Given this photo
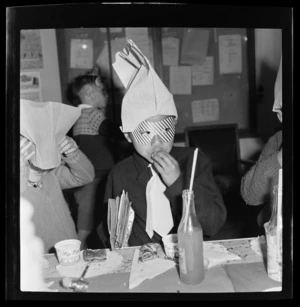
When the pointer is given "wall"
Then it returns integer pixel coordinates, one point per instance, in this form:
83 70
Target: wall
267 57
267 54
50 80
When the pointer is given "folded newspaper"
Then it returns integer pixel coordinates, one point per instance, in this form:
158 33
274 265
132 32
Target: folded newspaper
119 219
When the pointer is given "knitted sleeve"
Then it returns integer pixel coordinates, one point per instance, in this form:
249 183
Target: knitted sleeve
257 184
77 171
88 122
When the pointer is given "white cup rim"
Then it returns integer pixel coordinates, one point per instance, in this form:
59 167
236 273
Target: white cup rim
169 239
66 242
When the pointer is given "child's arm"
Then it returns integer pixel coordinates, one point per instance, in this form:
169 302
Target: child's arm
257 183
78 170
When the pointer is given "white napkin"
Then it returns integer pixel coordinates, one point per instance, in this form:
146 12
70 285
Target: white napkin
217 254
45 124
141 271
159 215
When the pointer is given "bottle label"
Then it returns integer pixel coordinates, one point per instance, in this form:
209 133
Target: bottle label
182 260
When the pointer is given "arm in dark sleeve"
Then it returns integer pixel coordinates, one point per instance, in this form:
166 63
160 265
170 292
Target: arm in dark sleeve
102 228
210 209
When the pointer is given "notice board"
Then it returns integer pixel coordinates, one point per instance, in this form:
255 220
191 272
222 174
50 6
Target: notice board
209 71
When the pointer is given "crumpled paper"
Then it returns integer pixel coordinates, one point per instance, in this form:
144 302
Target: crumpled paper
110 265
217 254
141 271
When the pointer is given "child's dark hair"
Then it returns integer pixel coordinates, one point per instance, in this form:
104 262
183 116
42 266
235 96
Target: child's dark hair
77 84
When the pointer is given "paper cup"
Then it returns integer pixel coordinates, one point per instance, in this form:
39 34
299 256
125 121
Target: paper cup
171 247
68 251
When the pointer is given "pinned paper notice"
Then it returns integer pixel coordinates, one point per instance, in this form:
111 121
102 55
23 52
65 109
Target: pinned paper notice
194 46
205 110
204 74
82 53
181 80
30 85
170 48
230 53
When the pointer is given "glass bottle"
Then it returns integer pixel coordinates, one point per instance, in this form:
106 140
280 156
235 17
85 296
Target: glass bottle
190 243
273 230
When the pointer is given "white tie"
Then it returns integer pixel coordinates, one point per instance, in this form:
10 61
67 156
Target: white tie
159 215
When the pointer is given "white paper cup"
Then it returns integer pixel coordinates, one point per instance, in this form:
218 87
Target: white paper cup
171 247
68 251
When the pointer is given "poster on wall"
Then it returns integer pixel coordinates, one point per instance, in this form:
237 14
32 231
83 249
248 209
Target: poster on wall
181 80
194 46
230 54
82 53
203 74
170 49
30 85
205 110
31 54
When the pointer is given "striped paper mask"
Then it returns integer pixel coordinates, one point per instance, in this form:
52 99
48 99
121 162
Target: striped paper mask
146 130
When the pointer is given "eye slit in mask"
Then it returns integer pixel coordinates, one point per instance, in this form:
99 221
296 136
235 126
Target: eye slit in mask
145 132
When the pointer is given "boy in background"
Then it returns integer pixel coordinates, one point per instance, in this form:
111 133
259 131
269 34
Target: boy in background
97 136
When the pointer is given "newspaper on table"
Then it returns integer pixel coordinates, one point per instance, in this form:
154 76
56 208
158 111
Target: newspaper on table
119 219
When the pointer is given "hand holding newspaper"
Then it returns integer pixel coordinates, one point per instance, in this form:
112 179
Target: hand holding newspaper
119 219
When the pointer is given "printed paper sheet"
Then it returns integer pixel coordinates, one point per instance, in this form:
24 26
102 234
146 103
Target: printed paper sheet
170 48
31 54
205 110
194 46
203 74
82 52
230 52
30 85
181 80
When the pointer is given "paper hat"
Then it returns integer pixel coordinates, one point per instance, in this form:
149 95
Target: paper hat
278 89
45 124
146 95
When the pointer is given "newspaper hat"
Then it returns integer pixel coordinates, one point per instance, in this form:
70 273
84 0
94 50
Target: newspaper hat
278 89
45 124
146 95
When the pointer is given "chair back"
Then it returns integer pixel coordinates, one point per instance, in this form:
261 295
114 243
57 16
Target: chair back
220 143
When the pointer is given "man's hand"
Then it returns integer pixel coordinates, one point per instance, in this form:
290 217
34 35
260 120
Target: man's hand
167 167
67 146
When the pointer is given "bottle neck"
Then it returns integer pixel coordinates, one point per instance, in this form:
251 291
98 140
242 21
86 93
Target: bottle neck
189 219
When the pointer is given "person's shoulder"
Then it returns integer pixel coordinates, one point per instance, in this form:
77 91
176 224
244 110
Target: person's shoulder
275 138
125 165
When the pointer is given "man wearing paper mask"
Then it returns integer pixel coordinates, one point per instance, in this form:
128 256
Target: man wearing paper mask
257 184
50 161
155 175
